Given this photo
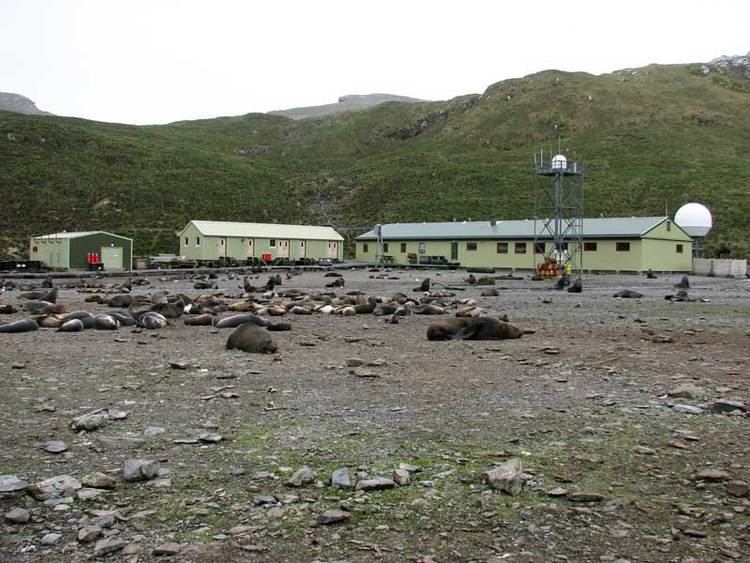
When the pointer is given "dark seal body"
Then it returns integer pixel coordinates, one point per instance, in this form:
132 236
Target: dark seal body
251 338
25 325
475 328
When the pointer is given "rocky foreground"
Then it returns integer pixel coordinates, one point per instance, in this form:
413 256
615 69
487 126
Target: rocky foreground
614 429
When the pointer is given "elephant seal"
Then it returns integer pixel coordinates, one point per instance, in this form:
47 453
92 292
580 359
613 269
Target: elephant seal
49 321
240 319
338 282
278 327
489 292
366 308
120 301
474 328
42 307
429 309
73 325
84 316
628 294
205 319
170 310
251 338
106 322
125 318
152 320
25 325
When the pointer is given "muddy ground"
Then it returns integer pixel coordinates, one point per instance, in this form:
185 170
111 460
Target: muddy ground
583 402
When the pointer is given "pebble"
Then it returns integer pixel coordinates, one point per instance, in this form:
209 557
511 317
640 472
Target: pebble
687 391
712 475
98 480
738 488
50 539
55 447
11 483
334 517
153 431
140 470
303 476
108 545
375 484
58 486
342 479
89 533
167 549
643 450
354 362
557 492
401 477
725 406
17 516
90 422
583 496
687 409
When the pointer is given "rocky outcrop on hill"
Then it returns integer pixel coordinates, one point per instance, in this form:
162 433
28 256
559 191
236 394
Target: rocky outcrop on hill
19 104
346 103
731 67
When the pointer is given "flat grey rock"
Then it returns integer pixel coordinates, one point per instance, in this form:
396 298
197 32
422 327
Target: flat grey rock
17 516
58 486
375 484
342 479
11 483
140 470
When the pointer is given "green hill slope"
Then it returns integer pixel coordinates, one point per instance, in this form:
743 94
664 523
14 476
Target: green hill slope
652 138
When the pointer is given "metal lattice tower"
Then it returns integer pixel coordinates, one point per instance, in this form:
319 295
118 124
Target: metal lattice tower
558 210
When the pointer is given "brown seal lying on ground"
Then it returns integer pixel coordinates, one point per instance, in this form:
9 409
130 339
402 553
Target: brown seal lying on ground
472 328
251 338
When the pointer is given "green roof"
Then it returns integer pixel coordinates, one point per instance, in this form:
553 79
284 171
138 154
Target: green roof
614 227
264 230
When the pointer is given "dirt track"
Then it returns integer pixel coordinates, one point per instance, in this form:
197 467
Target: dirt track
582 401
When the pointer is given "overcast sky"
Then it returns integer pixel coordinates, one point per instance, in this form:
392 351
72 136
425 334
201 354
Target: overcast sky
156 61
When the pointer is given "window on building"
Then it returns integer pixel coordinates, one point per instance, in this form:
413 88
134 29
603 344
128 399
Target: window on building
471 246
385 247
403 248
365 247
589 246
422 248
678 248
502 248
622 247
187 241
197 241
539 248
519 248
272 243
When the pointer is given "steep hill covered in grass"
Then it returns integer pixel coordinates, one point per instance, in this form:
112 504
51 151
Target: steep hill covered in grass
652 138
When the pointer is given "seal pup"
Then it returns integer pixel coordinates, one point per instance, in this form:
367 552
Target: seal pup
205 319
576 286
237 320
25 325
73 325
474 328
684 283
628 294
120 301
152 320
650 275
366 308
125 318
8 309
106 322
251 338
84 316
424 286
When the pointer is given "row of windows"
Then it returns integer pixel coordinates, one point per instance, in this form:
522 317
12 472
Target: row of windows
520 247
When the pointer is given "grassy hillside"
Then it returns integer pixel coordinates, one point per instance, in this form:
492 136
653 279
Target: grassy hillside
652 138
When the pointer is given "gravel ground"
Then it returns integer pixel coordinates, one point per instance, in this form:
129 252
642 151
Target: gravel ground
583 401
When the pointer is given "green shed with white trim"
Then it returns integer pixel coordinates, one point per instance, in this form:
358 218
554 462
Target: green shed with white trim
71 250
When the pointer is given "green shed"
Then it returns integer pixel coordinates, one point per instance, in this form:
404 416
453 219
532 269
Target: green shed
70 251
632 244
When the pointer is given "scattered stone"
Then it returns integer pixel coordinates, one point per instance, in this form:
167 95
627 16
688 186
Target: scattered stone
409 467
687 409
694 533
342 479
55 447
98 480
557 492
140 470
401 477
87 493
584 496
17 516
58 486
91 421
88 534
725 405
376 484
643 450
117 415
505 477
210 437
334 517
688 391
712 475
50 539
354 362
303 476
108 545
262 500
154 431
11 483
738 488
179 365
167 549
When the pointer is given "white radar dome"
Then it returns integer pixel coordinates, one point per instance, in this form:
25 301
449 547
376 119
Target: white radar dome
695 219
559 162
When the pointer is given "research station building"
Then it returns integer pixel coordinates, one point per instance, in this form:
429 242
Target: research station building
621 244
73 250
243 242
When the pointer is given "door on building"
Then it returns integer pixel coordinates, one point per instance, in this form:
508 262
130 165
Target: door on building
454 251
283 247
302 250
250 248
111 257
222 248
333 250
